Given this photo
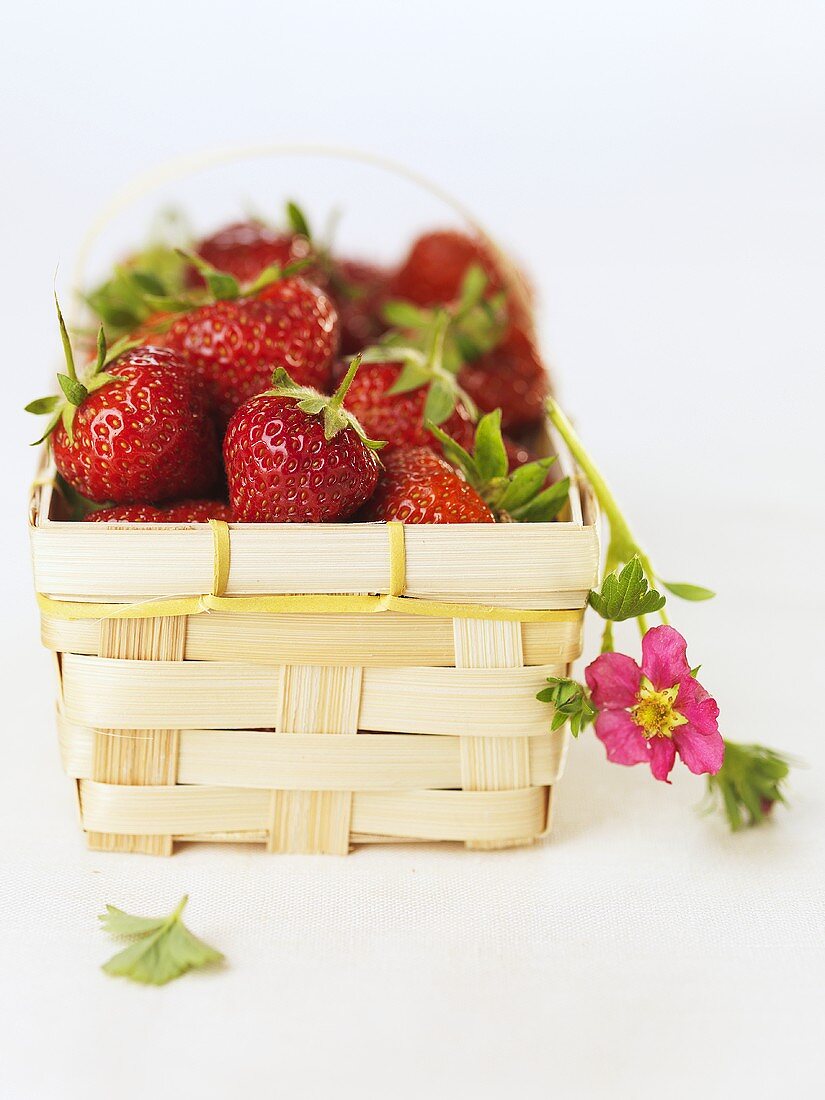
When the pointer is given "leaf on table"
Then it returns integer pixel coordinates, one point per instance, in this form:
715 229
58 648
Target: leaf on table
163 950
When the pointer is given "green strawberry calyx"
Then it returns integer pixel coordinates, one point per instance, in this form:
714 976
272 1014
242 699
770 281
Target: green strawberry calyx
434 344
330 409
521 495
424 362
61 408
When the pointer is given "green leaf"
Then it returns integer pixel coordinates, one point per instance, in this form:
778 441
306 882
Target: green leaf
412 376
297 220
749 783
546 506
148 282
472 288
440 402
163 950
405 315
693 592
456 454
626 594
490 452
571 702
42 405
75 391
67 344
222 286
525 484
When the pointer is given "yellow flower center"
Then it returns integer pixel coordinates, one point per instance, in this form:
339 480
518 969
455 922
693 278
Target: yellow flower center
654 712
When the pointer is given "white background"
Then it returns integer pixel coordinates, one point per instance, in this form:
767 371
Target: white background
661 170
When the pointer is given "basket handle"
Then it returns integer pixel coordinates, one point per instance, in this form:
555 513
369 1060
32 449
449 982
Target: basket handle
184 167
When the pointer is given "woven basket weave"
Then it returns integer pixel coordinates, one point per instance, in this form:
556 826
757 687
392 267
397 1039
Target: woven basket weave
311 687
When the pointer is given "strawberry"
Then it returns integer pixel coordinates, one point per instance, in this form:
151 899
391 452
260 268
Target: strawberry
295 456
245 249
522 494
417 486
181 511
140 430
511 377
436 265
234 344
360 291
399 417
233 336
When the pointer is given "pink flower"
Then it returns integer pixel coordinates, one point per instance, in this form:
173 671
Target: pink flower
647 715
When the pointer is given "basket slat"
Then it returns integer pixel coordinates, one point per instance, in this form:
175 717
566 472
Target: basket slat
143 756
315 700
386 640
217 695
501 763
417 815
270 761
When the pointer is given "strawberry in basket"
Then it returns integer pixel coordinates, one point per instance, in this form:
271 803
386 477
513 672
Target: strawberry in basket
245 249
293 455
418 486
180 511
137 426
234 336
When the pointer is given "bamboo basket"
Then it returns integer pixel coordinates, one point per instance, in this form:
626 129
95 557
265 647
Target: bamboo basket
311 687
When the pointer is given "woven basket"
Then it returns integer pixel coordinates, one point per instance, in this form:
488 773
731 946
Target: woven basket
310 687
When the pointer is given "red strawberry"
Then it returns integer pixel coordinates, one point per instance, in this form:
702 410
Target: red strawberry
141 430
294 456
182 511
399 417
235 343
510 377
359 291
419 487
436 265
245 249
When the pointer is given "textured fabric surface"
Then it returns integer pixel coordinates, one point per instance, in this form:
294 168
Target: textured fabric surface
641 950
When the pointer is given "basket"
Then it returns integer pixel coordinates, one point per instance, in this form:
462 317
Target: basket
311 687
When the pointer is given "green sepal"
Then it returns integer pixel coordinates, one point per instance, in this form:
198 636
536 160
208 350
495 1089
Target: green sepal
42 405
75 391
490 452
440 402
405 315
66 342
103 379
297 220
331 409
626 594
694 592
518 496
749 783
67 415
571 702
546 506
220 284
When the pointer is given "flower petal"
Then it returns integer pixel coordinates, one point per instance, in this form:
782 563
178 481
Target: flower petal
698 706
701 752
662 757
664 659
624 741
613 680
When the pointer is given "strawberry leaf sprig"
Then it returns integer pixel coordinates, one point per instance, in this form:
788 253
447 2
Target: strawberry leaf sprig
310 401
162 948
623 547
432 345
523 495
749 783
74 389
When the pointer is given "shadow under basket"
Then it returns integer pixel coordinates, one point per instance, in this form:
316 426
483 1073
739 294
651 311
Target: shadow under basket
311 687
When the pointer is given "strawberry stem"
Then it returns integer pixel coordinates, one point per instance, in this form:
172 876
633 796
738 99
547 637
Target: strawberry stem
67 344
